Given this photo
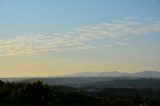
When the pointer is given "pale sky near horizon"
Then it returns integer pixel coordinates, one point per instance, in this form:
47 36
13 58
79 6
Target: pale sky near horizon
59 37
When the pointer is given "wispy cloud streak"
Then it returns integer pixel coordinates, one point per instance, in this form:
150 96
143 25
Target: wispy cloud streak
78 39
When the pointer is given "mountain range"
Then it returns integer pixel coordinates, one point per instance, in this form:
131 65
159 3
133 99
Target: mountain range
100 79
143 74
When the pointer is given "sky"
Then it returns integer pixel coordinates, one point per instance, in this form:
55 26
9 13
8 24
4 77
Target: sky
61 37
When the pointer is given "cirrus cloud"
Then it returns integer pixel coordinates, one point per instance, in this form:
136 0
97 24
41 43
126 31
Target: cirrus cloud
80 38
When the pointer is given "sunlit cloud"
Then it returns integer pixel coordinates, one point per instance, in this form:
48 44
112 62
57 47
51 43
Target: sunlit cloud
80 38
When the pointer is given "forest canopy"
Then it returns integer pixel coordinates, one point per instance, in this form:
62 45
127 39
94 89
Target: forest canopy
36 93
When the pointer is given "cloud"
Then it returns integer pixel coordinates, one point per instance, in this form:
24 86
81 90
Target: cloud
122 43
122 27
81 38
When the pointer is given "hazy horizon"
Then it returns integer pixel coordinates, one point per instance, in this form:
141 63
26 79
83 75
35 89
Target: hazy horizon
58 37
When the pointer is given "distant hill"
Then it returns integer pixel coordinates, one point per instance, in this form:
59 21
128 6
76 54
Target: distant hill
73 81
104 82
99 74
144 74
113 79
147 74
127 83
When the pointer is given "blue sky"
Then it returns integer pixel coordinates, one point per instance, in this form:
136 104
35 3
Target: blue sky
50 16
70 36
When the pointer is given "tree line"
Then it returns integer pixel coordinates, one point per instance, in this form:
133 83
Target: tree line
36 93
